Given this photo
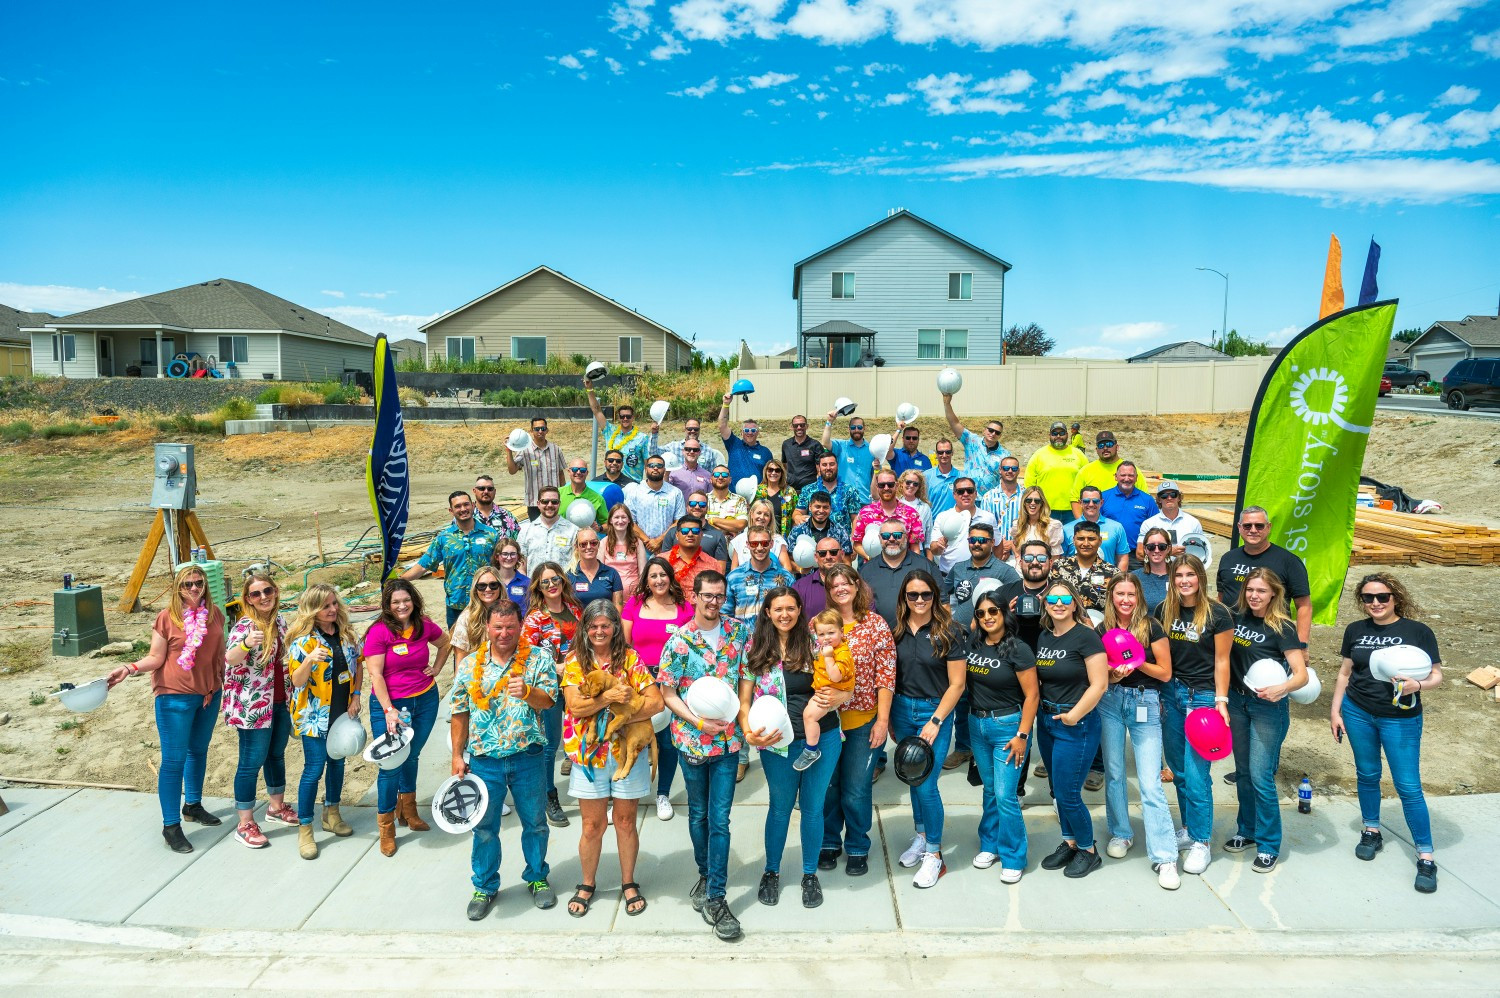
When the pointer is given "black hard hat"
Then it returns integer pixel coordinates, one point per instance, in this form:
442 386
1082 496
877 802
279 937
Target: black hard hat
913 760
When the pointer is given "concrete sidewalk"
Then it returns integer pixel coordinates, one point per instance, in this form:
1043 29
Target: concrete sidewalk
85 877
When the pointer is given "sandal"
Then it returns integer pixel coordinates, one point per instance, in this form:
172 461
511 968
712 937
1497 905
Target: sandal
639 899
584 897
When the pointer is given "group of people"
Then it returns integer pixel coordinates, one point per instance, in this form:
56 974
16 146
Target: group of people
972 643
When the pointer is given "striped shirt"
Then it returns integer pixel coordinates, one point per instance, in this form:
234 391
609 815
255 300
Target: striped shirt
543 466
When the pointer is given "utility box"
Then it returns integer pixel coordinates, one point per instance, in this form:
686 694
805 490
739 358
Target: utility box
78 621
176 483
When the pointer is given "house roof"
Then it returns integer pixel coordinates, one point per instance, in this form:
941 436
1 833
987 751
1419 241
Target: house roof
558 274
835 326
217 304
1396 349
1155 351
13 320
887 220
1475 330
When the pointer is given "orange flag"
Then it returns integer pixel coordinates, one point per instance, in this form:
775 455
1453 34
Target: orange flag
1333 280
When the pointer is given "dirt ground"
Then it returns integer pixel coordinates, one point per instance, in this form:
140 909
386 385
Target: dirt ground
79 505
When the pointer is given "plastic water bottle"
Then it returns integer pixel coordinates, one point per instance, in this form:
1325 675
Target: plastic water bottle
1304 796
405 714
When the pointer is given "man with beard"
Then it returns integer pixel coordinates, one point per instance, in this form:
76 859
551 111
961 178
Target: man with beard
655 504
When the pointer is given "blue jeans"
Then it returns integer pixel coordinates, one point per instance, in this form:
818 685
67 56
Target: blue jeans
1259 727
1001 830
390 782
1118 712
1195 789
552 731
710 794
185 725
524 776
262 750
786 785
666 762
316 764
961 725
1401 740
908 716
848 811
454 612
1067 752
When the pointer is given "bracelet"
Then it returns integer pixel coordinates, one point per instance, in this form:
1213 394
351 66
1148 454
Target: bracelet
1221 699
135 670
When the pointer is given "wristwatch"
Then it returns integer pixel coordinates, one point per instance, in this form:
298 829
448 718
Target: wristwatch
935 720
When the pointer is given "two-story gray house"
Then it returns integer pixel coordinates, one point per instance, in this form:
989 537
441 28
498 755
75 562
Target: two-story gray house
902 290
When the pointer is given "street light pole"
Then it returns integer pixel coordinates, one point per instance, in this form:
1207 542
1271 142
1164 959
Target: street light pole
1224 327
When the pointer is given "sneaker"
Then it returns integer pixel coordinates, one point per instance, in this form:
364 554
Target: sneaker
1167 878
249 835
812 891
1426 882
505 808
828 859
555 816
931 870
699 893
1060 857
985 860
1082 864
806 759
716 913
857 866
1232 777
664 807
542 894
1198 858
1184 840
1369 844
285 815
480 905
1009 876
1237 843
914 852
770 888
1264 862
1094 781
1117 848
956 758
1040 772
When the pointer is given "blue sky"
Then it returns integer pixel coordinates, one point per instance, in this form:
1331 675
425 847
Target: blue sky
385 163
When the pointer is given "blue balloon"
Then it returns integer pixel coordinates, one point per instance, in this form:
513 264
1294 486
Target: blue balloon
613 495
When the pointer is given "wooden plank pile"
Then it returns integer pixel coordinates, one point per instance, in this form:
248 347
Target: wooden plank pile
1383 537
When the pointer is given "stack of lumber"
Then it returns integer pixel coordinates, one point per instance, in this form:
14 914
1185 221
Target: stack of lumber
1209 492
1383 537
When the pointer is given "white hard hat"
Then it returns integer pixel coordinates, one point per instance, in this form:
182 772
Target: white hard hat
1196 544
880 445
745 487
82 699
459 803
1400 660
671 461
518 440
907 413
1308 693
843 406
1266 672
768 713
983 586
805 552
951 522
390 750
659 410
949 381
581 513
595 371
1095 617
346 737
711 699
660 720
870 542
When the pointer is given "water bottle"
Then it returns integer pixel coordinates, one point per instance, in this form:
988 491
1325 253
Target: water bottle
1304 796
405 715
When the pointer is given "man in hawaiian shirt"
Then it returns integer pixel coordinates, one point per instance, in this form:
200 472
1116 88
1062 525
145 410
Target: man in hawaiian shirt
622 434
462 548
490 513
843 500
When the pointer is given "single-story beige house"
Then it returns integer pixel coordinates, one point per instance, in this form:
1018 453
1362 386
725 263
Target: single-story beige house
15 346
545 313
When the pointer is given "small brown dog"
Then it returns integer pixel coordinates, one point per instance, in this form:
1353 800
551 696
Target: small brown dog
634 736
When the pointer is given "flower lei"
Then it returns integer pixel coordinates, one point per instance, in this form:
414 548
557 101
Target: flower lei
482 656
194 627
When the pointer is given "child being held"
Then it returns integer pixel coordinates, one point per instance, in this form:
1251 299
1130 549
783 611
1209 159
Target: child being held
833 667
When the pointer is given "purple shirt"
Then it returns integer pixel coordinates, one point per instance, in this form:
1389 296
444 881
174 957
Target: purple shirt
691 480
406 658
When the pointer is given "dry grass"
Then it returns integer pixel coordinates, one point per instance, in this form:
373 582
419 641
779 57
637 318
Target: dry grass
19 656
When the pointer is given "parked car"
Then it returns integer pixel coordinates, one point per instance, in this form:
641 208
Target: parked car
1385 385
1471 382
1405 377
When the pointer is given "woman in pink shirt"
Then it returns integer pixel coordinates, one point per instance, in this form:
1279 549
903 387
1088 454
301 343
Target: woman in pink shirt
621 549
398 655
657 607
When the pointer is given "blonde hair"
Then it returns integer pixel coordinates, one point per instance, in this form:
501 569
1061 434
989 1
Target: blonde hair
1139 623
1171 607
1024 523
175 602
1080 616
305 620
829 618
474 613
770 509
1275 616
265 622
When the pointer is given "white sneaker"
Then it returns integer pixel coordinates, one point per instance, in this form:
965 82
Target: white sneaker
609 813
1198 858
985 860
1166 876
1184 840
664 807
505 808
1010 876
914 852
1117 848
931 871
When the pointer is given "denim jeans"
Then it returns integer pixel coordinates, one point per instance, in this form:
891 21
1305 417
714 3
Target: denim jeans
710 794
1195 789
666 762
786 786
848 811
1118 712
522 774
552 731
1259 727
1001 830
1401 740
262 750
1067 752
961 741
389 782
315 764
185 725
454 612
908 716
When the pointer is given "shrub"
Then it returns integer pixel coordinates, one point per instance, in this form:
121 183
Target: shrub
411 397
300 396
238 408
269 396
337 394
68 429
17 431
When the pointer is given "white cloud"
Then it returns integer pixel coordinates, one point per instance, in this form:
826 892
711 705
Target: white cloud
1458 95
1093 353
720 20
1280 337
895 100
614 65
833 22
951 93
333 294
373 320
1488 44
702 90
376 294
767 80
670 46
734 88
872 68
631 19
1134 332
59 299
569 62
1398 19
588 53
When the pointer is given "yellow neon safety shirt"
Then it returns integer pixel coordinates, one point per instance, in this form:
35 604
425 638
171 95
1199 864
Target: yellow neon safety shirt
1053 471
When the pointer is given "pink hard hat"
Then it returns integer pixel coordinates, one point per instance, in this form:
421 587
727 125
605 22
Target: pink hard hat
1208 734
1122 649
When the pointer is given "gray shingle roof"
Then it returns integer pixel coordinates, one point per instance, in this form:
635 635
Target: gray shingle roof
1475 330
835 326
1154 351
218 304
13 320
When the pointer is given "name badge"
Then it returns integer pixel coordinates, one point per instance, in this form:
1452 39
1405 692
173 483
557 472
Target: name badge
518 590
806 452
752 588
559 541
580 587
1096 579
662 502
399 649
344 677
1140 713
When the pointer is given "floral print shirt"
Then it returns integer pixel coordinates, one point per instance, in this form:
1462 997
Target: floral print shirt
581 735
874 652
507 725
689 656
501 520
845 501
310 702
461 555
906 513
250 692
542 630
1089 585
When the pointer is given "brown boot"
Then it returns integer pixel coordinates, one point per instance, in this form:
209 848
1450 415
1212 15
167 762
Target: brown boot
387 823
334 822
307 846
406 813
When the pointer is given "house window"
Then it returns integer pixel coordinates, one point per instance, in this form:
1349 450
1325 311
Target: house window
529 348
630 349
148 351
843 284
929 344
960 287
461 348
235 349
69 346
955 344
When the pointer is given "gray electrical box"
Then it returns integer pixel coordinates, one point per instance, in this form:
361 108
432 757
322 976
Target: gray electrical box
78 621
176 482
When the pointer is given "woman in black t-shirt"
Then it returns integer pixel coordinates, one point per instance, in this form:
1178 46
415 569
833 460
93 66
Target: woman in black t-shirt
1003 698
1381 715
1132 705
1073 674
1260 718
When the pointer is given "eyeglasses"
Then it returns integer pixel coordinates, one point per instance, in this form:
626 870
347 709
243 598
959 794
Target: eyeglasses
1158 546
963 492
192 584
977 541
489 587
1169 495
1090 502
944 453
1368 598
510 554
261 593
893 535
690 531
551 582
711 597
917 595
1063 599
1254 526
988 612
1034 559
1033 501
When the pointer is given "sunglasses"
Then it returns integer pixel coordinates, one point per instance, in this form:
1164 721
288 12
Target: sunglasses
831 553
1033 501
979 541
649 466
892 536
1089 502
697 505
987 613
914 595
772 471
1062 599
1368 598
1158 546
1103 444
194 584
538 429
799 426
717 475
1010 467
856 426
1034 559
551 583
1058 433
261 593
944 453
963 492
992 429
758 544
1169 495
752 429
911 436
484 488
885 485
692 450
489 587
588 544
690 531
1254 526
